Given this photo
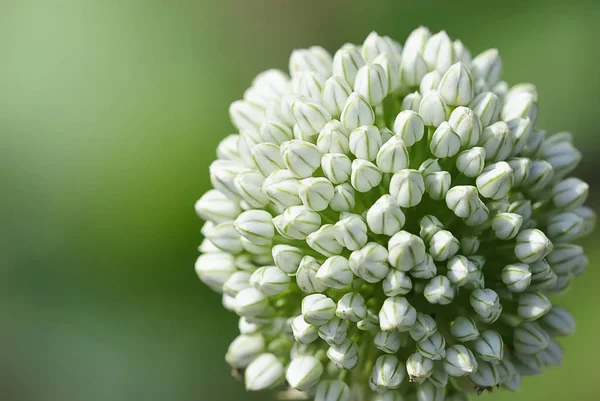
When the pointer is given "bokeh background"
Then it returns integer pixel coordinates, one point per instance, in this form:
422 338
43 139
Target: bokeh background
110 112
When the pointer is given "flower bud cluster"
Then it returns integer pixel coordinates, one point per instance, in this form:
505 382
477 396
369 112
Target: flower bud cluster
388 223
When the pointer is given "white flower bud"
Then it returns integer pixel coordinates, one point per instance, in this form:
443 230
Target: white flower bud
426 269
533 305
423 328
303 332
439 377
487 107
589 219
459 361
419 368
456 86
516 277
430 82
429 225
365 142
388 373
443 245
469 245
486 376
343 198
357 112
437 184
565 257
458 269
412 101
529 338
374 45
558 322
464 329
570 193
372 83
370 262
244 349
263 372
532 245
351 307
335 272
323 241
467 126
333 138
489 346
317 309
471 162
416 40
520 130
412 68
370 322
393 156
433 347
564 227
256 226
497 141
520 88
332 390
397 314
351 232
336 167
228 149
214 269
282 188
344 355
540 175
521 167
386 134
315 193
306 276
216 207
406 250
439 291
365 175
428 392
409 127
222 174
334 332
310 117
301 158
495 181
396 283
246 116
391 66
563 157
314 59
407 187
238 281
225 237
255 249
275 132
486 304
506 225
385 216
287 258
251 302
388 341
335 94
270 280
529 365
552 355
267 158
430 166
346 63
438 52
297 222
534 144
432 109
445 142
248 186
488 66
522 105
304 372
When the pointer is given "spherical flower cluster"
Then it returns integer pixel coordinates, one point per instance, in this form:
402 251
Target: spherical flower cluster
388 223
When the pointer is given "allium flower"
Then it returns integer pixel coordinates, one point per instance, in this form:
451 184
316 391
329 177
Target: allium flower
388 222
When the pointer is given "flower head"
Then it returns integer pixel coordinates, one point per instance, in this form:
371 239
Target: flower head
388 222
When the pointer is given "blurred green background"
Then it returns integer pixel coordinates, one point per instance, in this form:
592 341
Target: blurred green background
110 112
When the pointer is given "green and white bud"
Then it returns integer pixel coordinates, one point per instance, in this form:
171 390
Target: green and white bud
433 110
487 107
409 127
388 373
306 276
439 291
238 281
521 167
370 262
443 245
533 305
423 328
522 105
540 175
337 167
335 94
375 45
256 226
275 132
343 198
529 365
372 83
318 309
445 142
532 245
314 59
429 225
332 390
323 241
365 142
244 349
333 138
315 193
310 117
334 332
467 126
407 187
396 283
439 377
365 175
495 181
570 193
388 341
345 355
490 346
385 216
563 157
469 245
558 322
248 186
461 52
459 361
506 225
486 376
529 338
304 372
438 52
287 258
429 82
456 86
488 66
463 200
393 156
357 112
397 314
428 392
516 277
297 222
437 184
304 333
270 280
351 232
351 307
486 303
335 273
471 162
346 63
251 302
412 69
497 141
263 372
542 275
419 368
300 157
416 40
534 144
464 329
246 116
308 86
426 269
552 355
225 237
216 207
433 347
564 257
458 269
520 130
214 269
282 188
406 250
